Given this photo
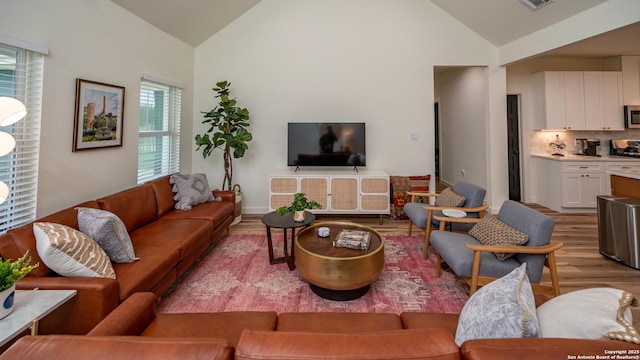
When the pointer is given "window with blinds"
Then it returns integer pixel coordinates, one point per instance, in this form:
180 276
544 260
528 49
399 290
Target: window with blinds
159 134
21 73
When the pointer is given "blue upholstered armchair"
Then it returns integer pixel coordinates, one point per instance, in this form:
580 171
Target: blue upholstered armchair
478 265
421 214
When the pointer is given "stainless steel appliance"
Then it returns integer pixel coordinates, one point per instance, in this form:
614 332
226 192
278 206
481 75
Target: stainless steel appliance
593 147
588 147
632 116
618 229
625 147
581 146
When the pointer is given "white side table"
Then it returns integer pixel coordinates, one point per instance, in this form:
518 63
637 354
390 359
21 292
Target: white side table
30 307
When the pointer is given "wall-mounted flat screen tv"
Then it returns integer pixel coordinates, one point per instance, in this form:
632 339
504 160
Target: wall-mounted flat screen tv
326 144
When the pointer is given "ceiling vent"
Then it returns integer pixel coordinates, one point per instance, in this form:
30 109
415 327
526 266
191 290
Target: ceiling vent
536 4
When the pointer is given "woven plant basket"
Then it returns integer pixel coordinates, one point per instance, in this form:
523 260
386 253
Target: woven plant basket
238 210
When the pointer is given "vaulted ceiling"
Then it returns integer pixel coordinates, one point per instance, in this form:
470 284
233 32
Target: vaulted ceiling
498 21
192 21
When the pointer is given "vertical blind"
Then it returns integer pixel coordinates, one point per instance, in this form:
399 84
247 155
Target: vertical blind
159 134
21 74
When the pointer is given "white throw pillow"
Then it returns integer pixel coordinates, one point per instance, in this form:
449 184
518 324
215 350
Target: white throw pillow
504 308
106 228
69 252
597 313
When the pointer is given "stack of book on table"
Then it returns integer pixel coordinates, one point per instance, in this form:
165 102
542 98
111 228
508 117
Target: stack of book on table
353 239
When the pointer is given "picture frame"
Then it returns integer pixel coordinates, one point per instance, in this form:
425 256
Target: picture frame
99 115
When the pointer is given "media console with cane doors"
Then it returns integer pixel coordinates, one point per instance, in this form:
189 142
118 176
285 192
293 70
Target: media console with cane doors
338 191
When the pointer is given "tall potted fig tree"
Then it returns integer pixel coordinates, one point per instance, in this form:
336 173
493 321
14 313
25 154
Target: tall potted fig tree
228 125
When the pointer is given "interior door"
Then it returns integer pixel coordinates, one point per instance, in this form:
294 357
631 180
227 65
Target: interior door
436 118
513 134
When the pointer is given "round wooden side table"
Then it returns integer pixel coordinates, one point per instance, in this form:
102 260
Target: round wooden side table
284 222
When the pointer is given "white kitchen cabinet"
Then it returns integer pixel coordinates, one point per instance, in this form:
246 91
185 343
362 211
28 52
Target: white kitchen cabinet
572 184
631 79
568 186
603 100
560 100
579 100
582 182
363 192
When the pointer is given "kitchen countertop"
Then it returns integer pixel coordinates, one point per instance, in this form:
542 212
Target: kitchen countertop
632 174
572 157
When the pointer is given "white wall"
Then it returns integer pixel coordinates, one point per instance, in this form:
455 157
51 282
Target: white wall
94 40
599 19
331 60
288 60
462 125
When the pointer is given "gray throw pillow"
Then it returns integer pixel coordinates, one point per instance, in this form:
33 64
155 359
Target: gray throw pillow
504 308
190 190
109 232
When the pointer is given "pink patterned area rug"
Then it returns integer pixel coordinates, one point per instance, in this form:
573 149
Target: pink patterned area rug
236 275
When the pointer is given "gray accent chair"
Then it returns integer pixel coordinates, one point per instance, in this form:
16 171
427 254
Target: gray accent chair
422 214
475 262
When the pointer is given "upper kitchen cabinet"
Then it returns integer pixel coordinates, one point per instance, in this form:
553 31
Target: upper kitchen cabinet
559 97
577 100
631 79
603 100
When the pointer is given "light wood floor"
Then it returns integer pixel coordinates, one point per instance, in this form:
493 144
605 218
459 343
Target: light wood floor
580 265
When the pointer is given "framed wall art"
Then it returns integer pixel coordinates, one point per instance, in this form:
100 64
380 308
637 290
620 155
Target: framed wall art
98 116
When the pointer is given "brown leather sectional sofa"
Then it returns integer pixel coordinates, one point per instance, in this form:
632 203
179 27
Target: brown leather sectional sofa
135 330
166 240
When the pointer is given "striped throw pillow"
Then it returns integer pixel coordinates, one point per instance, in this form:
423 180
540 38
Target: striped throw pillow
71 253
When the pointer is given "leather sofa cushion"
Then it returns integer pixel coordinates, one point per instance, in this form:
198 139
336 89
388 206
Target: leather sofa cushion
223 325
164 194
417 320
137 316
145 273
63 347
23 239
130 318
185 235
338 322
393 344
136 206
214 211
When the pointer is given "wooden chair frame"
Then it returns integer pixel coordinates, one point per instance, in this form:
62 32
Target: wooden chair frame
430 209
476 280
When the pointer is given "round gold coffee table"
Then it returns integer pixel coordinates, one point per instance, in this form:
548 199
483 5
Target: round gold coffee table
338 273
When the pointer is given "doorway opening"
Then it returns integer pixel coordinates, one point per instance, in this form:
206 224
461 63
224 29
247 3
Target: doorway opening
436 141
513 141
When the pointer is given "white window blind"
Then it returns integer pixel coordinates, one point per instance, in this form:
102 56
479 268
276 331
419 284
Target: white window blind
21 73
159 134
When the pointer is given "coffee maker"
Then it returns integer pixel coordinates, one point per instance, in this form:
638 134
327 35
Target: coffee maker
588 147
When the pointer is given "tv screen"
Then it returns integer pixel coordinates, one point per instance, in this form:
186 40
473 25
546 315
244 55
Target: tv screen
326 144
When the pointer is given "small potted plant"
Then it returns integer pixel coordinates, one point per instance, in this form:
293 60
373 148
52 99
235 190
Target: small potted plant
10 273
298 206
